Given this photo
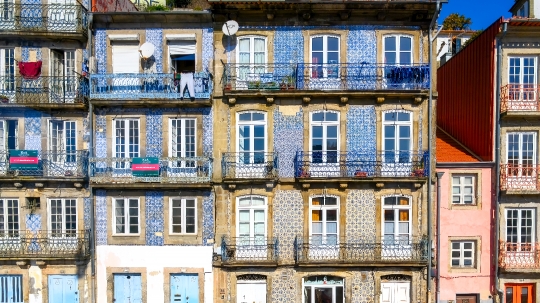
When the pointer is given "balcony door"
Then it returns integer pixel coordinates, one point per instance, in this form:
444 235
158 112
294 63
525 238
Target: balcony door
396 242
62 16
62 156
324 71
251 242
521 159
182 148
63 225
520 245
324 228
126 145
125 60
7 71
522 94
252 146
251 59
519 293
325 158
9 227
398 58
8 141
397 144
63 80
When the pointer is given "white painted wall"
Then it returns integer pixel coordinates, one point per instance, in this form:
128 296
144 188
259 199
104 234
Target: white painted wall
154 259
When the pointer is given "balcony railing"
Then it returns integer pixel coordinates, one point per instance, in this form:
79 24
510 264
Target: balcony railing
517 97
316 77
330 164
249 165
43 18
50 164
45 244
338 250
168 170
147 86
519 255
43 90
249 250
519 177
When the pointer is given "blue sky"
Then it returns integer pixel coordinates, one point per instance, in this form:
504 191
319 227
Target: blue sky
482 12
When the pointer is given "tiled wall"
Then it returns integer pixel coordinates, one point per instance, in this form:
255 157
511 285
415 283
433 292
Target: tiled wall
360 216
288 45
33 222
101 217
155 36
32 130
288 219
87 204
288 139
363 287
101 50
154 133
208 218
154 219
284 287
361 130
25 52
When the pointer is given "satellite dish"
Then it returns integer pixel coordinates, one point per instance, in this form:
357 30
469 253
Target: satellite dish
147 50
230 27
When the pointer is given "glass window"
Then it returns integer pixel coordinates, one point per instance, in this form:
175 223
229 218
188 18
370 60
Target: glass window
324 53
520 225
324 220
126 216
327 289
252 137
397 137
63 217
62 140
398 49
462 253
183 216
396 220
183 141
251 220
9 217
463 189
325 137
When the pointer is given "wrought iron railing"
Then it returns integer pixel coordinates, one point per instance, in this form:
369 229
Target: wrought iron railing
335 76
519 255
46 89
48 244
171 170
339 250
250 165
43 18
520 97
331 164
147 86
249 249
519 177
70 164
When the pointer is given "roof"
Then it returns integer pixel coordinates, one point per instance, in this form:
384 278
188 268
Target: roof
450 150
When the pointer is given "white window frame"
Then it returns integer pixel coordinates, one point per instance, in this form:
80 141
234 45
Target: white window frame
5 85
182 121
126 216
462 186
4 217
252 209
183 208
397 137
62 145
64 231
324 208
251 39
461 250
519 227
126 144
325 48
520 144
397 51
396 209
251 125
4 134
325 124
312 288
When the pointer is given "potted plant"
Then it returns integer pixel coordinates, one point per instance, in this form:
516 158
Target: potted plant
360 174
418 171
304 173
287 83
227 87
4 99
254 84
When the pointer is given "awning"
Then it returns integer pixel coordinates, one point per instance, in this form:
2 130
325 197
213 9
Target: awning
190 57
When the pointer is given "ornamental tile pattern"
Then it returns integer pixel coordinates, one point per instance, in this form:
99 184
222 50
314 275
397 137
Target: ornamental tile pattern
284 287
155 36
32 130
288 45
154 219
288 139
154 134
101 50
101 134
361 44
361 130
207 48
101 217
87 206
33 222
288 221
360 216
25 51
208 217
363 287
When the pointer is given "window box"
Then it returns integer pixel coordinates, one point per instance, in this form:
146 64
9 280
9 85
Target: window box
417 172
360 174
4 99
228 87
304 173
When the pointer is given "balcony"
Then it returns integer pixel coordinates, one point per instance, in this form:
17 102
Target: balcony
249 166
249 251
360 166
165 170
43 19
151 86
520 98
288 78
317 250
46 91
45 244
45 164
519 178
519 256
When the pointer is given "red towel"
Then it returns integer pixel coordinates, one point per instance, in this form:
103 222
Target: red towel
30 70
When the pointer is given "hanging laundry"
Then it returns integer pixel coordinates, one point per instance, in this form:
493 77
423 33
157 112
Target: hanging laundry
30 70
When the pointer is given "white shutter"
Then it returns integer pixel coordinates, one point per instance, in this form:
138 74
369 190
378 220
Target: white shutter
125 59
386 292
402 293
3 135
182 47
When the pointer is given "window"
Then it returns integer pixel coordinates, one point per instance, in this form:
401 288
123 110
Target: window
251 214
463 189
126 134
397 220
126 216
8 135
397 136
398 50
63 80
327 289
9 218
252 137
520 225
252 51
183 141
523 11
521 153
62 140
324 224
522 78
125 57
183 216
63 217
7 69
463 253
182 54
325 137
324 52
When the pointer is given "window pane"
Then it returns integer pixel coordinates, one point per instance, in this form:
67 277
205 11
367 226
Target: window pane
333 44
390 43
317 44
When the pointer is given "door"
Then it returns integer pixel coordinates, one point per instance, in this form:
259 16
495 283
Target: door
62 158
395 292
397 139
63 81
63 225
519 293
251 242
11 289
127 288
252 162
126 60
522 91
251 63
126 144
521 170
182 148
466 298
397 228
10 241
325 158
324 71
63 289
62 15
251 292
324 229
184 288
8 141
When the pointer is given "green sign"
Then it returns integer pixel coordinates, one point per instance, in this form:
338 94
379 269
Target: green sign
145 167
23 159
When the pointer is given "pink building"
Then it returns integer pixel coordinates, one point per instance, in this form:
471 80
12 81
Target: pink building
465 200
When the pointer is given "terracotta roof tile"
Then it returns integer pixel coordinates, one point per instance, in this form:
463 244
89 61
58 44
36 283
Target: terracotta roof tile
450 150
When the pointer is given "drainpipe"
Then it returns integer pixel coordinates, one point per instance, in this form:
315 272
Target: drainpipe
430 147
438 257
90 155
498 157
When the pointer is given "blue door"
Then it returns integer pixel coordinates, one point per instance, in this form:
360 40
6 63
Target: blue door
184 288
127 288
63 289
11 289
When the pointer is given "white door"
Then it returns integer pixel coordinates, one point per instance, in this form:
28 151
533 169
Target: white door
251 242
397 144
62 158
325 158
63 81
63 225
9 226
182 147
252 61
251 161
251 292
395 292
521 170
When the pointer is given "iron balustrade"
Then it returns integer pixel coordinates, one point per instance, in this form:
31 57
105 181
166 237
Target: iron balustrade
520 97
251 165
43 18
333 76
519 177
171 170
48 244
147 86
43 90
332 164
70 164
249 249
340 250
519 255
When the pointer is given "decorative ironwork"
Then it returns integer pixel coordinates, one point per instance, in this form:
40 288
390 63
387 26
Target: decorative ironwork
331 164
43 18
396 278
251 277
335 76
147 86
171 170
520 97
49 244
249 249
249 165
519 255
71 164
46 89
519 177
339 250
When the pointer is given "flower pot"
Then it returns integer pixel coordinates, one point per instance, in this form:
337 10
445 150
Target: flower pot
360 174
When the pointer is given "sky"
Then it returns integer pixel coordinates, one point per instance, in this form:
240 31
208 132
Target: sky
482 12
